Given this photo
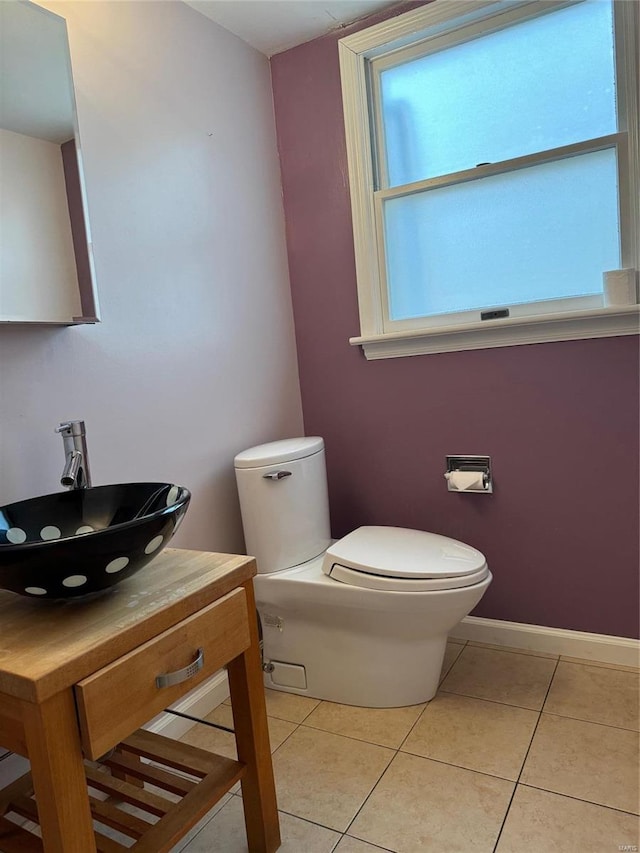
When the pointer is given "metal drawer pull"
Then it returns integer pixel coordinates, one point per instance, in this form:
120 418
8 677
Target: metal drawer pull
168 679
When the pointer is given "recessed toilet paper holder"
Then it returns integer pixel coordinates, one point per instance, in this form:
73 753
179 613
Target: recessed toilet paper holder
470 464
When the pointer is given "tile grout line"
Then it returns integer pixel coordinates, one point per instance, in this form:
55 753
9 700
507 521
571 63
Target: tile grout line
282 743
598 664
592 722
458 766
375 846
366 799
542 710
526 755
512 650
353 737
568 659
577 799
400 751
314 822
493 701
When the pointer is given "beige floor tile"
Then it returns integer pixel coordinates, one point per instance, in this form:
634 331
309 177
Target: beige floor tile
224 743
352 845
288 706
592 693
513 650
425 805
200 825
474 733
540 821
383 726
215 740
226 834
514 679
451 655
603 664
584 760
325 777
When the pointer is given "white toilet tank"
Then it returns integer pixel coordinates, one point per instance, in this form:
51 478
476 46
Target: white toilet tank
284 502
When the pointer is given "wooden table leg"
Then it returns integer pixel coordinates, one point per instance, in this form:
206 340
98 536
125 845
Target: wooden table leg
57 770
252 740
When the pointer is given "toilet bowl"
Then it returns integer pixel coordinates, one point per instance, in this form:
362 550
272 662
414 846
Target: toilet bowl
359 621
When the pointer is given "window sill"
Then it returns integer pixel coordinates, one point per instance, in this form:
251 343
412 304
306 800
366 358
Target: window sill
569 326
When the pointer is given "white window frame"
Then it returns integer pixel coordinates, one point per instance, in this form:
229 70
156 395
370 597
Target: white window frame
381 338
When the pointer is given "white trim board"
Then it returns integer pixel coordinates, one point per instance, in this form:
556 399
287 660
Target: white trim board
622 651
198 703
514 331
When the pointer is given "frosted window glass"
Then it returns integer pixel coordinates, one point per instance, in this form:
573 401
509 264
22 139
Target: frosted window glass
546 232
536 85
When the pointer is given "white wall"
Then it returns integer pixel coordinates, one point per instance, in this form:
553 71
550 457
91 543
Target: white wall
38 278
195 357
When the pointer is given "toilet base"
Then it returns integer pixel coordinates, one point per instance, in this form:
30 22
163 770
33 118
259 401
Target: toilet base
355 677
356 646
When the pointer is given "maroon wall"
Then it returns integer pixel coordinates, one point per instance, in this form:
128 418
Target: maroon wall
559 420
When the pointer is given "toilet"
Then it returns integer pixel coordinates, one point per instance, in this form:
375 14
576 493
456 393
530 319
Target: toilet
359 621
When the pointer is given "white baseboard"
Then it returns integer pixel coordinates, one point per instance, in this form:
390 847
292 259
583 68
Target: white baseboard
198 703
557 641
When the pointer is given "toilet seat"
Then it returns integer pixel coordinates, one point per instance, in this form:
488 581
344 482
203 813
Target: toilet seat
395 558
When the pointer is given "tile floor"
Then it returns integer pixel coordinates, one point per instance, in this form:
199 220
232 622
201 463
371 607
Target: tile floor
517 752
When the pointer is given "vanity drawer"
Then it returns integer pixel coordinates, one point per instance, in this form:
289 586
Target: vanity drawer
119 698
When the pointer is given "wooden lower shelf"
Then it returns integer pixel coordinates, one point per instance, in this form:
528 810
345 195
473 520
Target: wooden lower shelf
167 803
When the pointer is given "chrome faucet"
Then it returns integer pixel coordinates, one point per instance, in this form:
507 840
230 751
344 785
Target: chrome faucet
76 467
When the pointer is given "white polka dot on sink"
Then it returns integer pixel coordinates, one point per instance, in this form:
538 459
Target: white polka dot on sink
16 535
155 543
50 532
116 565
35 590
74 580
85 528
172 497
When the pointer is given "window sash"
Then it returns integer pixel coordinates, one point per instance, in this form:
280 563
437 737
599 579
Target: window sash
455 34
542 306
613 140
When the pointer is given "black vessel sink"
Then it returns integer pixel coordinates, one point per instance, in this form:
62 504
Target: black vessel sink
83 541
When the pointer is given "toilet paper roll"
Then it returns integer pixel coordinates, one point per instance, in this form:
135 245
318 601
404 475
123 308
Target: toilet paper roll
464 481
619 287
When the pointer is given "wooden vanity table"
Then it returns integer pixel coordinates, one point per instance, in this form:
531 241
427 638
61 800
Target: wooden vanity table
79 678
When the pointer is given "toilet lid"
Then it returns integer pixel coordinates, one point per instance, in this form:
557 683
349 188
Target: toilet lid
397 558
277 452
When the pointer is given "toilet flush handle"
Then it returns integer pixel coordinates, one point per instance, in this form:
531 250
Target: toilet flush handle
276 475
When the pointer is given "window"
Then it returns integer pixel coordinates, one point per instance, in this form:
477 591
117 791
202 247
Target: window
493 160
